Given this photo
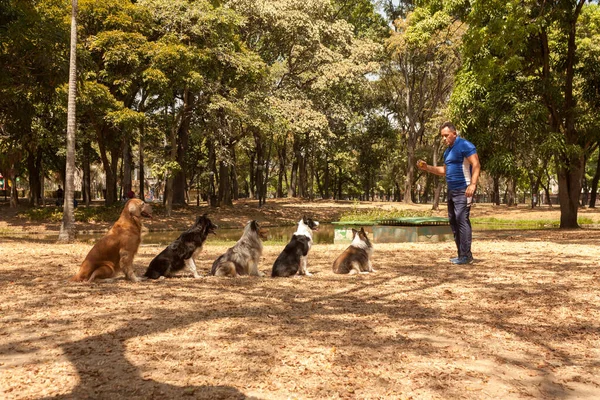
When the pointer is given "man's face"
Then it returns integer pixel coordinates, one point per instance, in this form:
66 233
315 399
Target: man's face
448 137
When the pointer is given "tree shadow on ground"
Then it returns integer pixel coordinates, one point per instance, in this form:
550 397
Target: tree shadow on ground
329 308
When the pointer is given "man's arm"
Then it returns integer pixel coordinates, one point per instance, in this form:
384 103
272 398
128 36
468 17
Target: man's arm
474 160
441 171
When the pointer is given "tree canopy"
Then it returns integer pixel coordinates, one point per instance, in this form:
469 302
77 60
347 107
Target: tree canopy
315 99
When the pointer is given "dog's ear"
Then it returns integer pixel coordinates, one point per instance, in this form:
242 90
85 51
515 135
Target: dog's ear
254 225
362 229
134 208
354 232
198 219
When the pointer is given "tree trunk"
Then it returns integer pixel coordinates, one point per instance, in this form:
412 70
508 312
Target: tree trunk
569 189
292 192
252 193
87 174
496 195
410 171
34 168
436 182
67 228
302 174
104 136
141 172
224 185
511 192
281 171
168 195
327 179
127 167
594 188
235 188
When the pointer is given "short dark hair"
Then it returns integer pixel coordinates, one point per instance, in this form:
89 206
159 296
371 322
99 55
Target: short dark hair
448 125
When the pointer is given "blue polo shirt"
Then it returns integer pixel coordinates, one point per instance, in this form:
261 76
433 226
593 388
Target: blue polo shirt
458 168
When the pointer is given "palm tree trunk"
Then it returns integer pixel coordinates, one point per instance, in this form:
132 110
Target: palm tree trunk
67 229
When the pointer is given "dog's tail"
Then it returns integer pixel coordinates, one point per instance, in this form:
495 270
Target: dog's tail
83 273
152 274
226 268
103 272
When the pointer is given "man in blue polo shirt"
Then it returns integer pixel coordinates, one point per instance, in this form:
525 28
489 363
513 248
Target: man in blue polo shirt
461 168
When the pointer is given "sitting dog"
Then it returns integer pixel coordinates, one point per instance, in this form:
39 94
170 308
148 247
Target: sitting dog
357 257
243 257
182 251
288 262
115 251
305 228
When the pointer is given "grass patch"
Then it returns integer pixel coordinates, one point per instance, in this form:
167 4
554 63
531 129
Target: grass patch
526 223
360 215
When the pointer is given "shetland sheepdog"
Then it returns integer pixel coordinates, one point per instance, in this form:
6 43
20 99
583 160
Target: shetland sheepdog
356 259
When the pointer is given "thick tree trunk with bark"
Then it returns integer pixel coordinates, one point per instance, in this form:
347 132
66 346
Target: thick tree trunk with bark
34 168
569 189
511 192
496 194
225 197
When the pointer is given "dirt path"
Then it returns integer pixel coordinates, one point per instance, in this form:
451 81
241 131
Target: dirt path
521 322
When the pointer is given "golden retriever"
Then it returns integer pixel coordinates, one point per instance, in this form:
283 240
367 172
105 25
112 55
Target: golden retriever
115 251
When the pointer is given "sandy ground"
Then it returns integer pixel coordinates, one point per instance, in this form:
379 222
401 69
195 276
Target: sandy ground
521 322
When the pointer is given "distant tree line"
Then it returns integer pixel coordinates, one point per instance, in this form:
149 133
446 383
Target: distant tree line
311 99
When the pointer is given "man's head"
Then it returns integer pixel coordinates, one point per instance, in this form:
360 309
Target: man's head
448 132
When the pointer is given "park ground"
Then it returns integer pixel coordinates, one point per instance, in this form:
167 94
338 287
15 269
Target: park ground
521 322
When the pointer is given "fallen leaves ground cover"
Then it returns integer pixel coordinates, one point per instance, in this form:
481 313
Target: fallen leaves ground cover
521 322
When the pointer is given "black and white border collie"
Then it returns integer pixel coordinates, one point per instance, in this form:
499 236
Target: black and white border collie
305 228
182 251
288 262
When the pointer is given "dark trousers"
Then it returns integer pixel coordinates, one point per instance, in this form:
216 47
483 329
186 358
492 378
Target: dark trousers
459 209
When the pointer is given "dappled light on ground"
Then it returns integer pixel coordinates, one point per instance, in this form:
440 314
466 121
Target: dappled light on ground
520 322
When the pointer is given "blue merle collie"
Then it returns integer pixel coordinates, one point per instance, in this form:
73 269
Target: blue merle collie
286 264
244 256
356 259
182 251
